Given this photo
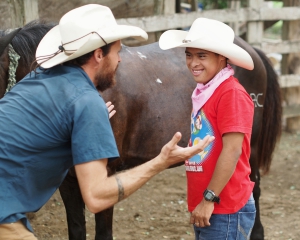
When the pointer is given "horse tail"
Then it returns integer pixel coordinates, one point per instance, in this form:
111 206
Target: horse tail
272 117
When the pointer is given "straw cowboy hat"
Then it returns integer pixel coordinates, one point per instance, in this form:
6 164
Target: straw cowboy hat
80 31
210 35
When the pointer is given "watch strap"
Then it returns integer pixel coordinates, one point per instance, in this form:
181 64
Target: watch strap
214 198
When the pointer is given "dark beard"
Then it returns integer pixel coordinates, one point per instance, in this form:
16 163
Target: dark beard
105 79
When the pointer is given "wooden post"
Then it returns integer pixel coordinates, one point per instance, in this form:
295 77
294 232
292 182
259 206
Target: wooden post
22 12
178 6
290 65
194 5
158 7
31 10
169 6
255 29
163 7
285 36
235 4
16 13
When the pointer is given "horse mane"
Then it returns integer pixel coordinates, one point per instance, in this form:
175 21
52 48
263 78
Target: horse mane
26 41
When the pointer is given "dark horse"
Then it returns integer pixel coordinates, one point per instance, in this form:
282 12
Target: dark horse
152 99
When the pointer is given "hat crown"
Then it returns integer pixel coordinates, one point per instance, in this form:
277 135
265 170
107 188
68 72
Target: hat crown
81 31
210 35
203 28
84 20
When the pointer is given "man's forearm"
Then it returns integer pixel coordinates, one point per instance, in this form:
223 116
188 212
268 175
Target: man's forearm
102 193
128 182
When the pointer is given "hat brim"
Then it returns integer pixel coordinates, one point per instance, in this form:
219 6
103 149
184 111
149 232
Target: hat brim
235 54
52 40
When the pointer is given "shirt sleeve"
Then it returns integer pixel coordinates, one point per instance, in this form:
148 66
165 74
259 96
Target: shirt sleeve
92 135
235 112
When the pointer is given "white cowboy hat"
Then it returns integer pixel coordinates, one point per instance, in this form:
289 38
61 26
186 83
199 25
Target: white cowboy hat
210 35
80 31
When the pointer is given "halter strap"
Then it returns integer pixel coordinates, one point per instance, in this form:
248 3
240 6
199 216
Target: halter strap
12 68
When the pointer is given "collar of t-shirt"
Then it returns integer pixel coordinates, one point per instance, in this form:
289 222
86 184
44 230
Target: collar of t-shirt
203 92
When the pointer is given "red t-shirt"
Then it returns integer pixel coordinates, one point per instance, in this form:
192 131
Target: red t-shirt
229 109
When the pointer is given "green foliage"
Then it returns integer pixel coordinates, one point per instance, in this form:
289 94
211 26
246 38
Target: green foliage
277 4
210 4
274 32
218 4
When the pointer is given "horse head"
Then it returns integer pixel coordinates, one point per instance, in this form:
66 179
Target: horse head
24 42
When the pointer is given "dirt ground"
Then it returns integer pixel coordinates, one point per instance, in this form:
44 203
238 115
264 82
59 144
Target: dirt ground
158 210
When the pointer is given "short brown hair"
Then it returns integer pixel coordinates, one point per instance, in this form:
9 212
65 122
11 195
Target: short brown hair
84 58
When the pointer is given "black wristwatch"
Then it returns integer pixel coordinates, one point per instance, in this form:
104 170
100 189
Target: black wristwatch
210 196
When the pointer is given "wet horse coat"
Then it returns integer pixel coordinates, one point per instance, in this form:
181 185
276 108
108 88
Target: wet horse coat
152 99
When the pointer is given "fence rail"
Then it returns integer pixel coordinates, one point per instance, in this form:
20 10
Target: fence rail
290 80
183 20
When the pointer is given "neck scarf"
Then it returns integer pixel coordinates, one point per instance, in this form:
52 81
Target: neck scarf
203 92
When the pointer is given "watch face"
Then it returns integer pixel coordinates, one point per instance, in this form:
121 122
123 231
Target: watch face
209 195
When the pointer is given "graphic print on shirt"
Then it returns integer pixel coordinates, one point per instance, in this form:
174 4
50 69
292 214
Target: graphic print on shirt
200 127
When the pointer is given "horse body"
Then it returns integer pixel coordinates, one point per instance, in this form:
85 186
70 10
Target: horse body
153 101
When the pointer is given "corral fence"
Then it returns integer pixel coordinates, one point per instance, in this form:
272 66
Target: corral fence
249 22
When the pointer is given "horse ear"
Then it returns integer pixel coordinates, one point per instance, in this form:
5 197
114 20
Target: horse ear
5 40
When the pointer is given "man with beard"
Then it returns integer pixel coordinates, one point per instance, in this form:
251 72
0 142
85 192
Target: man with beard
55 118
